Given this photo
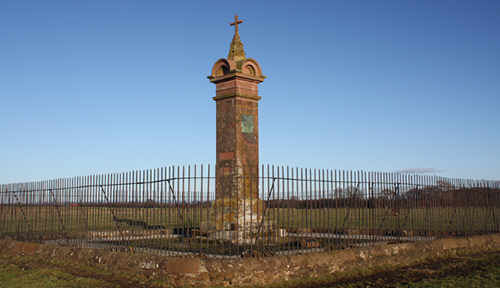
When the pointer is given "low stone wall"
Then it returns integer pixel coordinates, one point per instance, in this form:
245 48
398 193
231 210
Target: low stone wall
246 271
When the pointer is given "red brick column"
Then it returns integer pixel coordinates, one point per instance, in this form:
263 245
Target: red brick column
237 171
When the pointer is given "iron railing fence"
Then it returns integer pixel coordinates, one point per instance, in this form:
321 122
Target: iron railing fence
170 211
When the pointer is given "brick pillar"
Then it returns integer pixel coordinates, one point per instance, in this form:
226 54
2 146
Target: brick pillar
237 141
237 184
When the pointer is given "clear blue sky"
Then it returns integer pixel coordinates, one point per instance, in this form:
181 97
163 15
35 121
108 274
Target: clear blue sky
93 87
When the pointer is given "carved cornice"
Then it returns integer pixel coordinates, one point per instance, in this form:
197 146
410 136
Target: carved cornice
237 94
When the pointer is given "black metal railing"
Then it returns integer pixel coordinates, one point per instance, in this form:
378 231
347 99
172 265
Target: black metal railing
171 211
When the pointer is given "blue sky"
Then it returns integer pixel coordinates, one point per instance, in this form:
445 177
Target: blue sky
93 87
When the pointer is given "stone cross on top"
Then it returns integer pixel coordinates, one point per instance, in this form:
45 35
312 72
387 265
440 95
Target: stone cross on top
236 51
235 23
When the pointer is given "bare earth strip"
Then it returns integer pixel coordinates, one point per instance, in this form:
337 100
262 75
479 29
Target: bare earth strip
466 270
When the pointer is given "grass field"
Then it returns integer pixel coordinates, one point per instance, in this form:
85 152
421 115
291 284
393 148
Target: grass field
88 224
32 272
49 219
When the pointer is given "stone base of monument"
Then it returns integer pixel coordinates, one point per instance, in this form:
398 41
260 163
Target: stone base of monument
248 233
241 221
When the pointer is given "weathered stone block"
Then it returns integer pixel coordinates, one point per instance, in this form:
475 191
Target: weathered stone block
229 213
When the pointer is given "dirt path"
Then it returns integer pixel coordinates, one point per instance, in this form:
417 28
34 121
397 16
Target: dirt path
454 268
437 268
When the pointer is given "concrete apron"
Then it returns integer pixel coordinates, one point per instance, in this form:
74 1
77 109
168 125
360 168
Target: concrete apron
246 271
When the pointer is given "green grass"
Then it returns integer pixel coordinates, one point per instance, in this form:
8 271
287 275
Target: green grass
21 274
49 220
410 219
17 271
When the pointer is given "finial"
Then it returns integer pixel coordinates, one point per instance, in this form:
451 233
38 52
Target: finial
236 51
235 23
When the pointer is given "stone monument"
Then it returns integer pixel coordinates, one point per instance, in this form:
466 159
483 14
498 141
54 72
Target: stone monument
237 210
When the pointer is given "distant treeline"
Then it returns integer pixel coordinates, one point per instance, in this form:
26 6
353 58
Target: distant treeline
425 197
